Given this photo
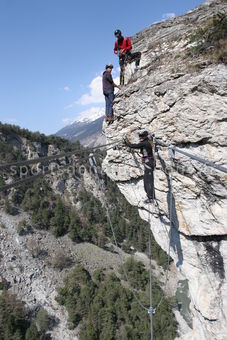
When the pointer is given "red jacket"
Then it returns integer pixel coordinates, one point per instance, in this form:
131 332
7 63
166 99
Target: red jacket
124 45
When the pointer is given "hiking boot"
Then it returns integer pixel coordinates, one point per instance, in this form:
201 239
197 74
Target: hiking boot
148 200
109 119
142 202
153 206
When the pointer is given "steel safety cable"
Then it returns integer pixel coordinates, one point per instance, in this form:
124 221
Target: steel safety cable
94 165
52 157
34 177
195 157
153 310
171 156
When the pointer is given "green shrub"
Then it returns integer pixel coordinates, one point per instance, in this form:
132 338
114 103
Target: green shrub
8 153
9 209
60 260
2 181
32 333
137 275
23 228
60 221
211 39
15 322
34 248
42 321
2 225
4 284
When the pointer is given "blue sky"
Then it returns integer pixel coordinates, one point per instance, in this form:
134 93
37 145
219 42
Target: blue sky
53 52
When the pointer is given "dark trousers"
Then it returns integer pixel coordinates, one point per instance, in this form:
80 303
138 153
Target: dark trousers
136 56
128 58
109 98
149 181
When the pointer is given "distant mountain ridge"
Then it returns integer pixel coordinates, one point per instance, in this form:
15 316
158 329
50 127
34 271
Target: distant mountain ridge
86 130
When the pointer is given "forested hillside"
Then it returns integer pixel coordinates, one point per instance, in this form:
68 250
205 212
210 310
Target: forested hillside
80 216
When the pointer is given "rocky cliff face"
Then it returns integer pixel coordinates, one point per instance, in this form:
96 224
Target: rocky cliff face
182 100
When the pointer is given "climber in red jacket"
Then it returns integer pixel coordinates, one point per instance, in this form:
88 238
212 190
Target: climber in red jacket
122 45
122 48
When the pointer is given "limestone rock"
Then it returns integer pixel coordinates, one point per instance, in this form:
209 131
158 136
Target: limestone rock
186 107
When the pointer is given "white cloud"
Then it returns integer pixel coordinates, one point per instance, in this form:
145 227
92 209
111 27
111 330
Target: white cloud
167 16
91 114
66 88
95 94
88 115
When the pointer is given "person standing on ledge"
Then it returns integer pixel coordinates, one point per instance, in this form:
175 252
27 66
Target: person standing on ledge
122 48
108 91
148 161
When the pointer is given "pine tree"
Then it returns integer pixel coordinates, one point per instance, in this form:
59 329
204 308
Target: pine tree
32 333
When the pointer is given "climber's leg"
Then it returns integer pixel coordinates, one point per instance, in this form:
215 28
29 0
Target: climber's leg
122 69
149 182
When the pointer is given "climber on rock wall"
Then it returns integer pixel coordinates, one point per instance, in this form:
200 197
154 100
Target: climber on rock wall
108 91
148 161
122 48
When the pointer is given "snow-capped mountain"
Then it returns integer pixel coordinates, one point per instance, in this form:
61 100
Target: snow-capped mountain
87 128
90 115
